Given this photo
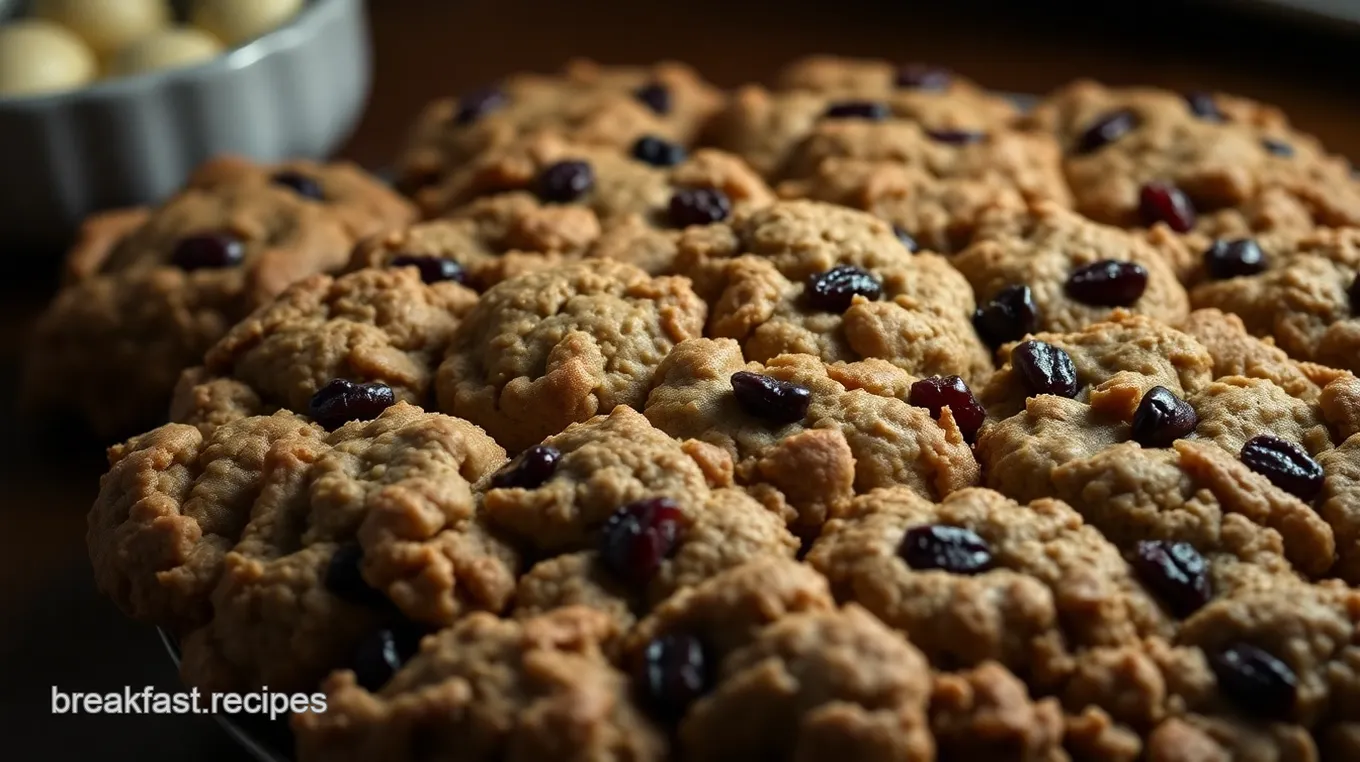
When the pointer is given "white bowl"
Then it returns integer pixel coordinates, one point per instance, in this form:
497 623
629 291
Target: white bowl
295 92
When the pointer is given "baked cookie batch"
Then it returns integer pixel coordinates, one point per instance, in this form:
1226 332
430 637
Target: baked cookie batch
857 417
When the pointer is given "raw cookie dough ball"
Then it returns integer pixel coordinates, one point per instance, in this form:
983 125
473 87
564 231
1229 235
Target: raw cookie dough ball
238 21
167 49
106 25
41 57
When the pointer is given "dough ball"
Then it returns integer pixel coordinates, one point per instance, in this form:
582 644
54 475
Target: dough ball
42 57
106 25
238 21
166 49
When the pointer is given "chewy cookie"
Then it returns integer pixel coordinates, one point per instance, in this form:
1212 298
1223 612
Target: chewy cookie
277 550
599 105
151 293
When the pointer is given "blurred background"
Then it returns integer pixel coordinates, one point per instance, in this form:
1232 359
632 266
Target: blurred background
57 631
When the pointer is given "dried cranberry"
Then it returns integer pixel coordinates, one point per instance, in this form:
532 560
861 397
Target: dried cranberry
382 654
938 392
919 76
565 181
342 401
1203 106
432 269
835 289
1010 315
303 185
529 470
1176 572
1163 202
1045 369
652 150
208 251
673 672
347 583
907 239
1277 147
858 110
639 536
1231 259
1106 130
1108 283
1255 680
1285 464
478 103
770 398
1162 418
957 137
951 549
699 206
656 95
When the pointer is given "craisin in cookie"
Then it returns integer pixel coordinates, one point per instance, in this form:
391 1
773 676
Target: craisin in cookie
609 106
805 435
1300 290
372 326
978 577
145 301
491 690
275 549
1072 272
1208 162
810 278
550 348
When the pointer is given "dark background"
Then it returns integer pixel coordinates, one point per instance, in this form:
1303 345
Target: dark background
54 629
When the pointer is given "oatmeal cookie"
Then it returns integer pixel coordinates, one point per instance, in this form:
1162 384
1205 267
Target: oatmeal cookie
609 106
273 547
547 349
145 302
806 435
987 713
382 326
1213 163
490 690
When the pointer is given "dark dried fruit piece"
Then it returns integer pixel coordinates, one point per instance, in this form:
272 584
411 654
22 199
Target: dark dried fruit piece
673 672
1176 572
1164 202
770 398
301 184
208 251
919 76
652 150
1277 147
858 110
835 289
938 392
1106 130
1010 315
1108 283
1255 680
432 269
957 137
383 653
528 470
639 536
1203 106
699 206
907 239
478 103
1285 464
566 181
952 549
656 95
1162 418
342 401
346 582
1231 259
1353 293
1045 369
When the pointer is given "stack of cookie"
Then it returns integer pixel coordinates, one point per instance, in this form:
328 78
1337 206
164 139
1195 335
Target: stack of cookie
861 417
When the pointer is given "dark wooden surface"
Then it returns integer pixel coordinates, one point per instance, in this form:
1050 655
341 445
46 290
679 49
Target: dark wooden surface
57 631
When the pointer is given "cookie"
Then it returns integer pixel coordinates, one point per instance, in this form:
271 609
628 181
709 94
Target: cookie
145 301
551 348
490 689
273 548
987 713
609 106
977 577
372 326
804 435
1213 163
